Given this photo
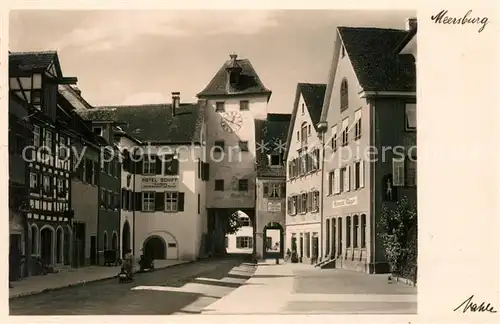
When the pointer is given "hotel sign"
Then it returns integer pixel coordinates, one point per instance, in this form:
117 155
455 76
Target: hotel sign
274 206
345 202
160 182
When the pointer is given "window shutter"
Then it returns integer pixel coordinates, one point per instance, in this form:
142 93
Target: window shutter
398 172
266 189
349 177
200 169
123 198
180 202
158 165
337 181
160 201
138 165
361 174
206 172
175 166
138 201
283 190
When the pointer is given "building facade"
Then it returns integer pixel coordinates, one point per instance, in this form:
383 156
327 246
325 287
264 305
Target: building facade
303 182
362 114
19 138
235 99
242 240
34 78
271 186
164 180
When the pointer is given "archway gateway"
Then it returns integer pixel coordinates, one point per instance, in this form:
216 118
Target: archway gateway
125 238
273 235
155 248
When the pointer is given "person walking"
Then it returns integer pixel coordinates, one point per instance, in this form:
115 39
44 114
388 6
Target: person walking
288 255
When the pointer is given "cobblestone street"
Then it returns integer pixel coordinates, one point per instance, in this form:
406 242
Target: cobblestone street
184 289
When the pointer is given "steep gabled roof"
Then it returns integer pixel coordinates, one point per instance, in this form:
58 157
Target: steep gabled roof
271 132
314 95
76 100
249 82
155 122
371 52
33 62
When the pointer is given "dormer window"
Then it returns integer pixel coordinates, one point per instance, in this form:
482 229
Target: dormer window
344 95
303 109
97 130
275 160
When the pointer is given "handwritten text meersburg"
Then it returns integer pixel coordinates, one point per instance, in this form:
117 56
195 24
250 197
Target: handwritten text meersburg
443 18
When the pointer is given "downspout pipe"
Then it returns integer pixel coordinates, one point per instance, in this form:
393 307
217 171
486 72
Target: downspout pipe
322 172
134 204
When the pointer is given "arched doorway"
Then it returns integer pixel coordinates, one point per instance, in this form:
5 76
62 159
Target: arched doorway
114 242
59 245
273 241
155 247
125 238
46 245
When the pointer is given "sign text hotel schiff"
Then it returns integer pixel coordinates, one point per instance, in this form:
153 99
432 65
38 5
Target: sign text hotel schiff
159 182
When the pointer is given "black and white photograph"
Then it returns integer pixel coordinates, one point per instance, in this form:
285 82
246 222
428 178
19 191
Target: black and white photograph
180 162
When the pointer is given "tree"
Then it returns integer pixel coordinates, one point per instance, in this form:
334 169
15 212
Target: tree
225 223
399 238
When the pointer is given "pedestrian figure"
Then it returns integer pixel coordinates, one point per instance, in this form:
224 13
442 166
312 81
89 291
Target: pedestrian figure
288 255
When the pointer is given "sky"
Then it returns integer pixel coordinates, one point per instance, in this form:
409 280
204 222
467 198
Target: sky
140 57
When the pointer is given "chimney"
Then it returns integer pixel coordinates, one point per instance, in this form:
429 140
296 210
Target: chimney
233 57
77 90
176 101
411 24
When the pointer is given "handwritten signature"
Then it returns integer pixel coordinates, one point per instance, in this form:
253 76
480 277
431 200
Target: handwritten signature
469 305
443 18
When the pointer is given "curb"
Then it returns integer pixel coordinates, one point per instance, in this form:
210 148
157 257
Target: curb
81 283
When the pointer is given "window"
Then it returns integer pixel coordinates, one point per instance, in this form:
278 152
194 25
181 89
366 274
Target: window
199 204
244 105
398 172
36 97
309 130
363 231
33 180
315 201
97 130
244 221
345 132
148 201
219 106
298 136
275 160
331 182
303 108
303 134
334 138
348 231
344 95
411 116
47 141
148 166
244 242
357 125
171 165
303 205
273 190
219 185
359 175
345 178
292 205
337 181
243 185
60 187
171 199
342 51
36 135
219 146
411 171
244 146
355 231
62 148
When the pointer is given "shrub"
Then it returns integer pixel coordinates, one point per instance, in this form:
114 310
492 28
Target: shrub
400 239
